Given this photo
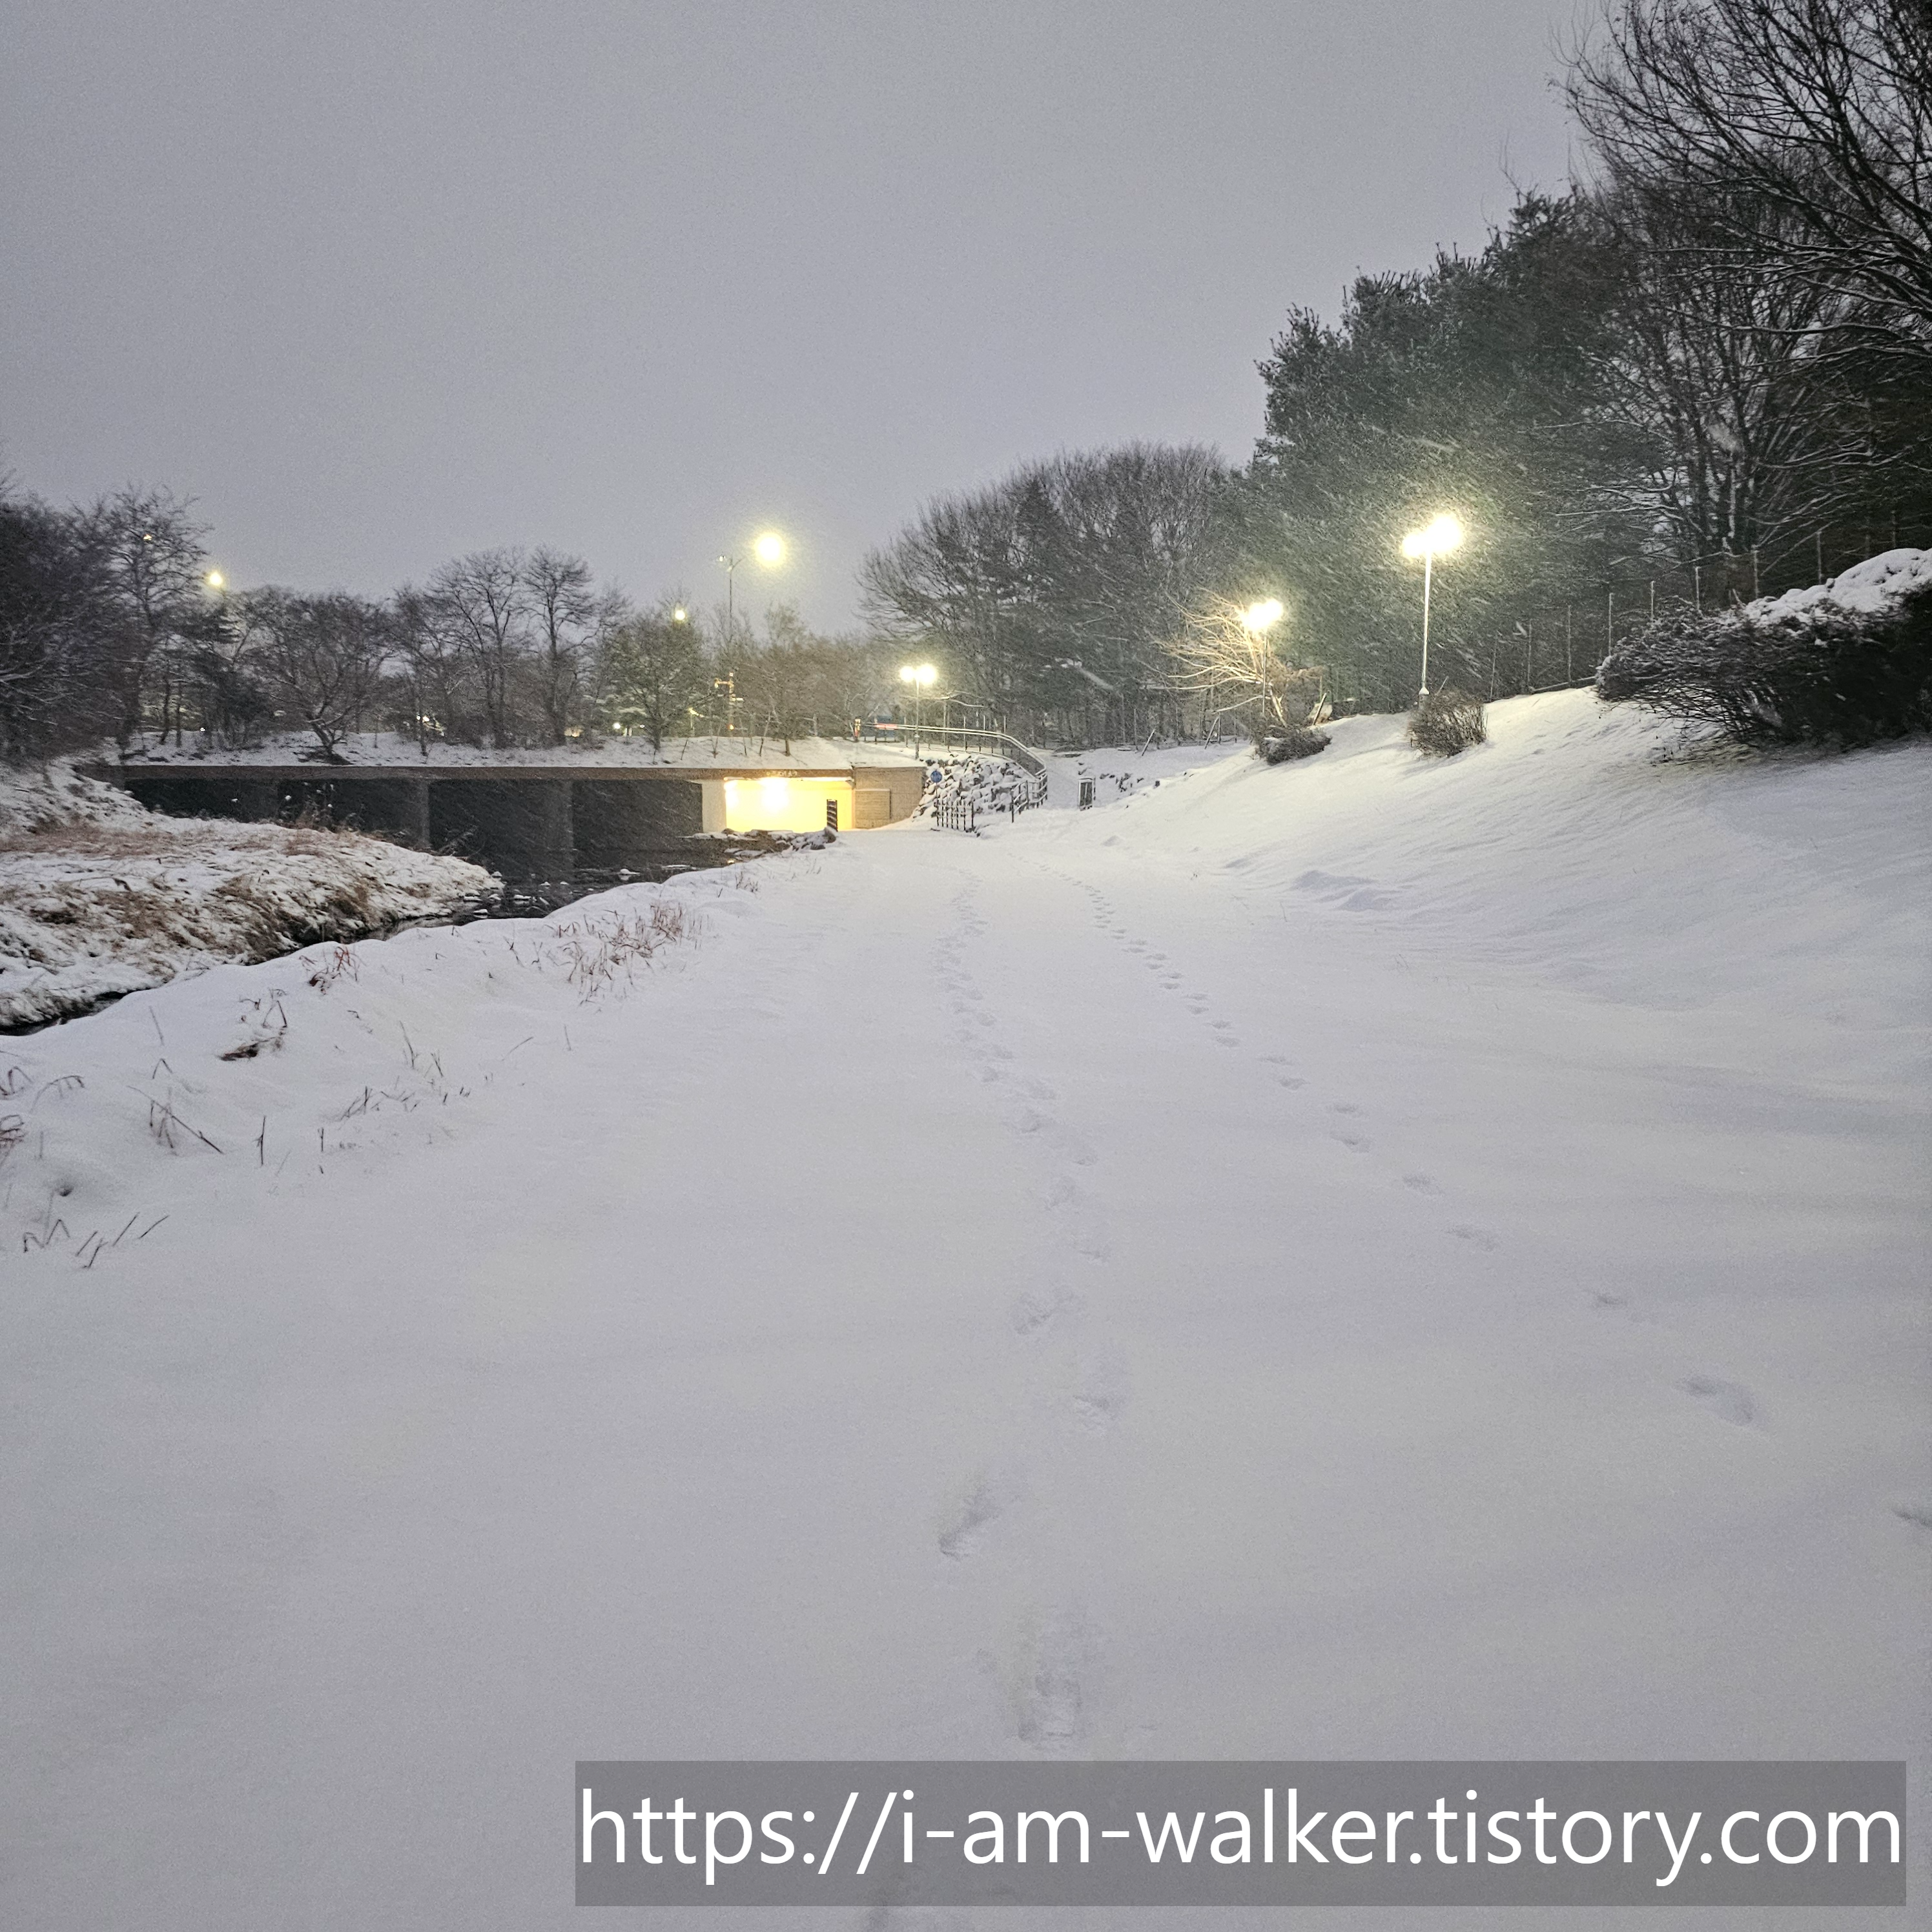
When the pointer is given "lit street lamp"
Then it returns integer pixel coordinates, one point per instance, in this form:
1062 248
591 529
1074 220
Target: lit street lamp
922 678
768 548
1258 619
1436 540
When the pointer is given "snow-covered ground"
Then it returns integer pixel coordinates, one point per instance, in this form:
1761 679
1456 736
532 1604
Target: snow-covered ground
1368 1257
100 897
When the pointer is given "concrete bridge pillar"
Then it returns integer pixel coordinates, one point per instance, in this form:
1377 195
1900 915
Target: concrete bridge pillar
557 836
415 823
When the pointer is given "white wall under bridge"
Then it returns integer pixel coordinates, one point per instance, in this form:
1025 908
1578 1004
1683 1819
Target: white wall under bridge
866 795
779 803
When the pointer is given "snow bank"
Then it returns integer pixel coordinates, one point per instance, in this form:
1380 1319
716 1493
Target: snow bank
336 1054
1874 586
99 897
1575 843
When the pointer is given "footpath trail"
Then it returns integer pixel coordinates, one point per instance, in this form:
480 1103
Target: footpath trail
1095 1290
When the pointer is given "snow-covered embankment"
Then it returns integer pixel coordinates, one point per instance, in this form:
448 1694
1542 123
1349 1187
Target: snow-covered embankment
100 897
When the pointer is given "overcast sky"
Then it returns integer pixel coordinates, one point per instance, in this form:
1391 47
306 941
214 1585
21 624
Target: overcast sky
377 283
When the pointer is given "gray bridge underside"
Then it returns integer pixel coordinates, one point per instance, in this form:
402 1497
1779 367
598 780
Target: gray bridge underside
524 824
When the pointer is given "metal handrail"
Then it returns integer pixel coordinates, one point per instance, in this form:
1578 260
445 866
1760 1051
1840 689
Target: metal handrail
966 740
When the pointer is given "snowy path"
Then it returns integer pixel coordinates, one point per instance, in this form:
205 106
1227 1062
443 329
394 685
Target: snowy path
1106 1288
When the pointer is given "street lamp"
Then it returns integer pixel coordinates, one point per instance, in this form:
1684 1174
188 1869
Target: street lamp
215 580
768 548
1258 619
1436 540
921 677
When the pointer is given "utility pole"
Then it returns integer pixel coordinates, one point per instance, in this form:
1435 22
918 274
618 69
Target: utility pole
731 564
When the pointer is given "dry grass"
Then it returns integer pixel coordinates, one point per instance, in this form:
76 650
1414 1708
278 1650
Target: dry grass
597 954
167 839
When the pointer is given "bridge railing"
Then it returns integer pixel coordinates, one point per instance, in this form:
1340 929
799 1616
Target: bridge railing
996 744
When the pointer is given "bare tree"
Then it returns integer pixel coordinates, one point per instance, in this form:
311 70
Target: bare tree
59 630
431 675
1818 109
1053 592
566 613
153 568
322 657
1717 361
1240 669
477 610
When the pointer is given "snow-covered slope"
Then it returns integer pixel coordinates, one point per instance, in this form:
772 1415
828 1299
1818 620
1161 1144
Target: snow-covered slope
1367 1258
99 897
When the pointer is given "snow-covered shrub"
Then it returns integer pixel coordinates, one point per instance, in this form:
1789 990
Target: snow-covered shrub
1445 722
1302 742
1845 663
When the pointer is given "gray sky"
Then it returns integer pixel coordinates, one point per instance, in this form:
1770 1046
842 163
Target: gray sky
380 282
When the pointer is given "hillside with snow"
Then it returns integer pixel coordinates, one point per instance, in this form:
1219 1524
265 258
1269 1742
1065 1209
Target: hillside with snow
1368 1257
100 897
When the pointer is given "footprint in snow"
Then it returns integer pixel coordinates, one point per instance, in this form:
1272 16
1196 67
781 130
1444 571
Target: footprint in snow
1355 1143
1039 1308
1919 1515
1289 1080
1731 1402
1099 1394
1049 1682
1477 1237
1420 1183
966 1522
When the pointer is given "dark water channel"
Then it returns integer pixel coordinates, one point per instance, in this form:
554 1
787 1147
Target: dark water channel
532 898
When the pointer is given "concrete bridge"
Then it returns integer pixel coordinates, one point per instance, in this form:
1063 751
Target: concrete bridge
537 820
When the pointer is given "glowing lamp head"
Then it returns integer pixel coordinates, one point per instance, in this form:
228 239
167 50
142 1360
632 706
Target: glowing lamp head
1263 616
1443 534
680 616
926 676
769 549
215 580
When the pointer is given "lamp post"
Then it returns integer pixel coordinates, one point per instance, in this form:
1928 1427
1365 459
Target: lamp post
1436 540
768 549
1258 619
921 677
